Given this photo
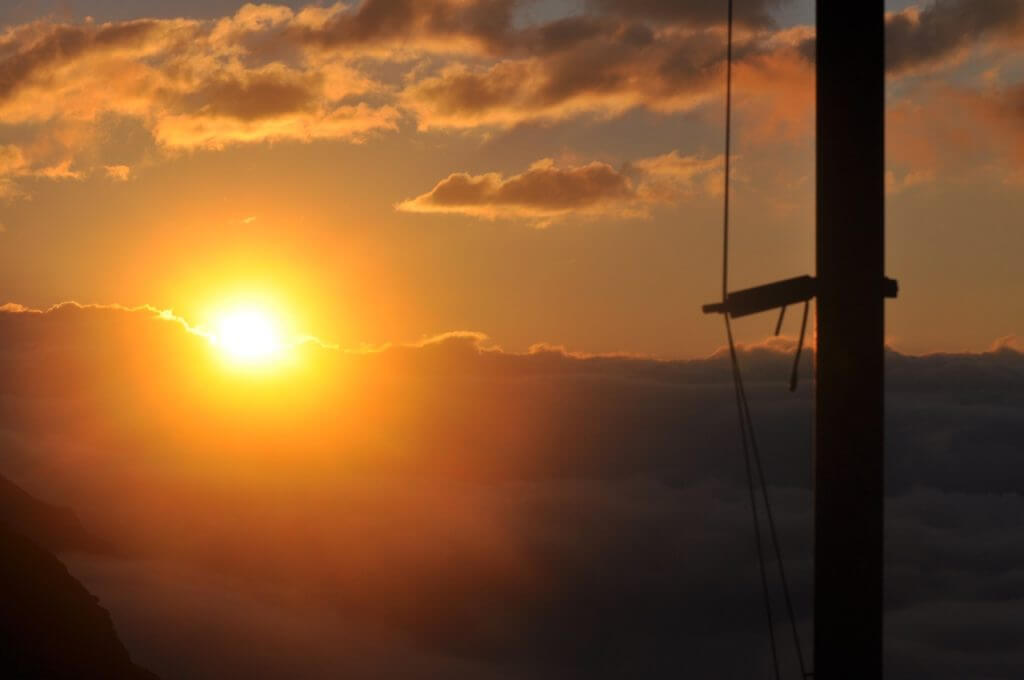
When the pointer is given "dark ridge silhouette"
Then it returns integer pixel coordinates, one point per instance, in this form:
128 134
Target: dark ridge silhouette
51 626
54 527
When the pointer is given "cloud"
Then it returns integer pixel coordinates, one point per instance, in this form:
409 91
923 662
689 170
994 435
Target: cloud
1011 342
896 184
253 95
12 159
468 505
190 84
670 176
999 110
441 24
698 12
497 27
545 191
32 51
270 73
944 29
352 123
270 103
957 133
12 163
942 33
614 69
121 173
61 170
15 164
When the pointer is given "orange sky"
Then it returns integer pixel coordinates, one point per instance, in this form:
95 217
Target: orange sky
539 171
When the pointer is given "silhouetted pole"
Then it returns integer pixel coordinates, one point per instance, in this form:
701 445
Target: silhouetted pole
848 463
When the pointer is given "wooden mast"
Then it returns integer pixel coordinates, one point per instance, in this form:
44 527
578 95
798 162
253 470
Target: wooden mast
848 459
851 288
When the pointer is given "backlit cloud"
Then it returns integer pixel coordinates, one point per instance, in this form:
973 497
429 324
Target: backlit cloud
708 12
944 29
615 69
957 133
545 191
191 84
122 173
350 71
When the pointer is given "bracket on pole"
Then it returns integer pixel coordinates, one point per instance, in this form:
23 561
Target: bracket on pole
778 295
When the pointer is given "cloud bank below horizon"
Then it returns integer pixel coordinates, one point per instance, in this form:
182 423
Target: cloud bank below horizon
491 514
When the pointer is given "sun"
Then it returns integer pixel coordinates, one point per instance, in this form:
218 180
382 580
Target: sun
248 335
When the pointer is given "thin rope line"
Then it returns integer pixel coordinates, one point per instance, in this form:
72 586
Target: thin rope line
747 433
728 154
737 380
762 568
751 435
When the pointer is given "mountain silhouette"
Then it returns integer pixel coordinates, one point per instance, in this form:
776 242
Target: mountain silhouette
50 625
54 527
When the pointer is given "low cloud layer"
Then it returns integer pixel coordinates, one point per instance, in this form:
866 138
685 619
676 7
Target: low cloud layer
490 514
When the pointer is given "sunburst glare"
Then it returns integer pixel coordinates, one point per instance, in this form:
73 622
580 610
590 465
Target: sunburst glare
248 335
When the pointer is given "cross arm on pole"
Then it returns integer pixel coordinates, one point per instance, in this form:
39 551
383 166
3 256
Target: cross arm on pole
778 294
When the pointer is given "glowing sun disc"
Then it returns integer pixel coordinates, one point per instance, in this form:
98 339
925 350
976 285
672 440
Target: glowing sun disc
248 335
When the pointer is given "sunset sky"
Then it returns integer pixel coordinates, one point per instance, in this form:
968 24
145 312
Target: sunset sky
364 339
540 171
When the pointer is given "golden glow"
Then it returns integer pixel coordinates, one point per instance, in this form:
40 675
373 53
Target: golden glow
248 335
